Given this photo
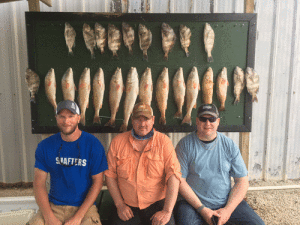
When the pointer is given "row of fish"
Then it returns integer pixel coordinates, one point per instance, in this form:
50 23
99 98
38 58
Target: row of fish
97 38
144 90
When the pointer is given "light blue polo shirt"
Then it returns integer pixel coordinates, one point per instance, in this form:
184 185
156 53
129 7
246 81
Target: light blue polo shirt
208 168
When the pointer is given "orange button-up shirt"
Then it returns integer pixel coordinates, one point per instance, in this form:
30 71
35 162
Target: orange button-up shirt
142 176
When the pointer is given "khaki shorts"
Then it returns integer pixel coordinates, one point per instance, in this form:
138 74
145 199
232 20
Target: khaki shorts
64 213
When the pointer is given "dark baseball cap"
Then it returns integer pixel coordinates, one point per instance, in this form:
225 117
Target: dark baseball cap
208 109
67 104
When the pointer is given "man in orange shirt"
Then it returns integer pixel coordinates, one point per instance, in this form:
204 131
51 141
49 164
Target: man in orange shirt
143 173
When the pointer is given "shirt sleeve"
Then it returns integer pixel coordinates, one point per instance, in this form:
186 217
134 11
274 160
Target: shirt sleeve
99 162
182 157
238 167
172 165
111 160
40 162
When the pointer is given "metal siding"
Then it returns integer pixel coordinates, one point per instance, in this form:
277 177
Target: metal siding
274 139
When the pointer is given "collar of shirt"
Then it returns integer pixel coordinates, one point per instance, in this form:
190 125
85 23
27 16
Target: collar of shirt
149 144
147 136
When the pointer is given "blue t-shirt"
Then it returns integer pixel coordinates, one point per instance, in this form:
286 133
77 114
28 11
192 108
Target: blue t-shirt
70 185
208 168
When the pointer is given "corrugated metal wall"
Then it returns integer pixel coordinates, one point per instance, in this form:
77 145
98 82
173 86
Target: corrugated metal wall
274 140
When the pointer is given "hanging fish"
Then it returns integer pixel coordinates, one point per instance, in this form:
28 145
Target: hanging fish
146 87
68 85
252 83
162 92
239 83
84 89
222 84
208 86
128 36
116 89
89 39
114 39
185 38
179 92
100 35
33 82
50 88
168 39
209 39
192 91
70 35
145 40
132 91
98 93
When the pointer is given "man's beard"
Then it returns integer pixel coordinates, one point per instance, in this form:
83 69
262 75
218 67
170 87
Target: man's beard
70 132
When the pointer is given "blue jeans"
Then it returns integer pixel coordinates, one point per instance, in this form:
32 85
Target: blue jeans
242 215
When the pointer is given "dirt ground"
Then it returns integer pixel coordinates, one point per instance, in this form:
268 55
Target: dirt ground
273 206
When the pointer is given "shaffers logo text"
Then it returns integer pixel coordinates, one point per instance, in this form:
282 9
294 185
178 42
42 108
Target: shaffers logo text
71 161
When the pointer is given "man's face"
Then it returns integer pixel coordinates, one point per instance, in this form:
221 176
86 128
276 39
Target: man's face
142 125
67 122
207 129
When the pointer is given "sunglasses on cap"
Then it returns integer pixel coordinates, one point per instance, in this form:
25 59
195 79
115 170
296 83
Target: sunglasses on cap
210 119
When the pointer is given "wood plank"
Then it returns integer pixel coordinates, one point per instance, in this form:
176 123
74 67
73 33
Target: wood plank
5 1
34 5
249 6
47 2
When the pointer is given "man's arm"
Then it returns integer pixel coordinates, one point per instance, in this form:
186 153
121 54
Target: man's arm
97 182
163 217
236 195
187 192
124 211
41 197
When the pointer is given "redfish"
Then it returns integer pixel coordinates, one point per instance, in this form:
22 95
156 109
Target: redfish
222 84
179 92
50 88
98 94
208 86
162 92
68 85
84 89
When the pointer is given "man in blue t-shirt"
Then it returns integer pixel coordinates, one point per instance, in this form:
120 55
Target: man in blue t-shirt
75 161
208 160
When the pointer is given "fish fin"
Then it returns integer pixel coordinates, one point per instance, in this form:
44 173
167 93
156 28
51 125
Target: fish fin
97 119
236 101
178 115
195 106
187 53
210 59
166 56
115 54
82 119
123 127
187 119
162 120
255 99
110 123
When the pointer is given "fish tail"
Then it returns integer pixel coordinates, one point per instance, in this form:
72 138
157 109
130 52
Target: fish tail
210 59
187 119
71 53
123 127
145 56
162 120
93 55
97 119
187 53
254 99
32 99
110 123
166 56
178 115
222 108
130 51
82 119
237 100
102 50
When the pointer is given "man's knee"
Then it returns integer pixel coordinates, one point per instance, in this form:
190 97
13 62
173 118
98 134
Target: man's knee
91 217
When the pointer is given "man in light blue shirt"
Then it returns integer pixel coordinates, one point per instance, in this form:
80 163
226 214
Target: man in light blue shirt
208 161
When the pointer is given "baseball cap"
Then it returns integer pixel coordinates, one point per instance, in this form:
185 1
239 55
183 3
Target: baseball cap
67 104
142 109
209 109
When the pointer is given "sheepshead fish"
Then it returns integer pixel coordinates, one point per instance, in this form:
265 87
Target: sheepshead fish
98 93
128 36
116 89
192 90
208 86
209 39
252 83
100 36
70 35
162 92
68 85
222 84
33 82
50 88
185 38
146 87
84 89
132 91
168 39
145 40
114 39
239 83
179 92
89 39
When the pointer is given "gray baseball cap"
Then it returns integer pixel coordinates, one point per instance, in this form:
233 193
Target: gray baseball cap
67 104
209 109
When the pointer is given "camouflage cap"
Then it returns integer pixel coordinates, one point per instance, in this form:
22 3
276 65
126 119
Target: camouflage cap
142 109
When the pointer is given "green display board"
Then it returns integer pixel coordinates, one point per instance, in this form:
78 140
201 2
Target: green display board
234 46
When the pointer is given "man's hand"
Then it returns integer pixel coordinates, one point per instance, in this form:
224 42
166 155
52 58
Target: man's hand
73 221
52 220
224 216
161 217
207 214
124 212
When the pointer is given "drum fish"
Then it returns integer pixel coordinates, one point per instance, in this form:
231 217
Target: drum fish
168 39
185 38
239 83
209 39
70 35
100 36
89 39
114 39
128 36
33 82
252 83
145 40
